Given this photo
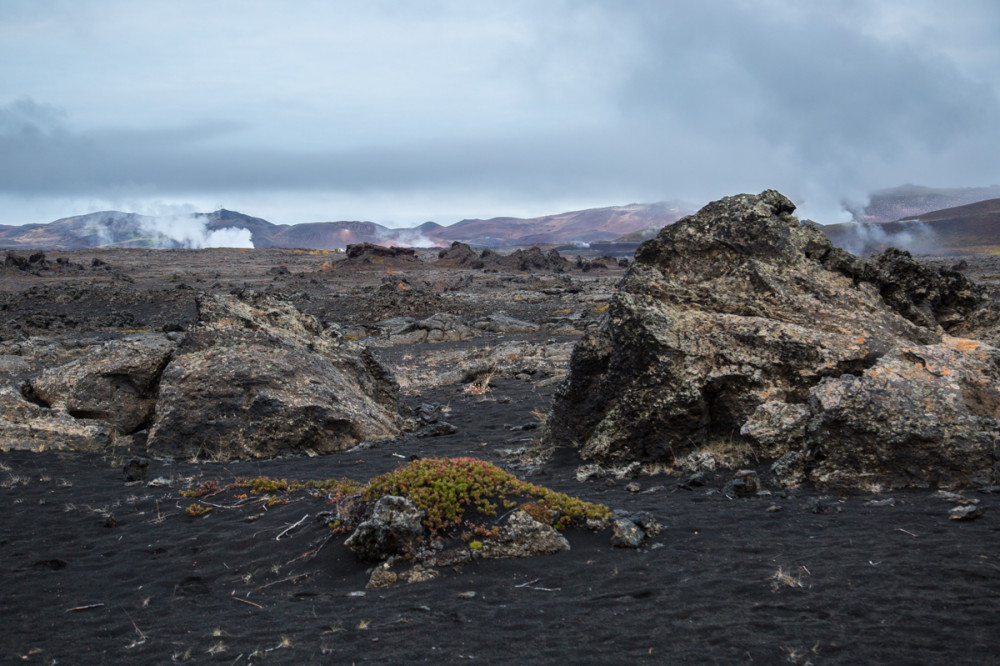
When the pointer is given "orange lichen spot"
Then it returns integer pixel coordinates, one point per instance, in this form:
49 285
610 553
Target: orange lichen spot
402 286
388 271
860 340
960 344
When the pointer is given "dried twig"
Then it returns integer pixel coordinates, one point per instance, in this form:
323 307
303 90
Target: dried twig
87 607
900 529
312 553
291 527
142 636
247 601
530 585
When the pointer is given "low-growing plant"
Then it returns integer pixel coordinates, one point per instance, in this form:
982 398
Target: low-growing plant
206 488
195 510
457 491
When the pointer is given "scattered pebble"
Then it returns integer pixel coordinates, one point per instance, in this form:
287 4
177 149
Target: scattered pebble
954 498
966 512
467 595
633 487
357 593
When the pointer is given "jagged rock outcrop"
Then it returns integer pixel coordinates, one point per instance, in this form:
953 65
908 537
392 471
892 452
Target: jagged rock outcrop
255 378
531 259
459 255
32 263
116 382
368 254
734 323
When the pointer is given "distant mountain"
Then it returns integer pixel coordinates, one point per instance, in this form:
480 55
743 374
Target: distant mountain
582 226
115 229
909 201
104 229
969 229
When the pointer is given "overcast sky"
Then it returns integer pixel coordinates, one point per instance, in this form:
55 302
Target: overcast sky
404 111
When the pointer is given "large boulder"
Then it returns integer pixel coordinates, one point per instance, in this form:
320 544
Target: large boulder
729 324
116 382
255 378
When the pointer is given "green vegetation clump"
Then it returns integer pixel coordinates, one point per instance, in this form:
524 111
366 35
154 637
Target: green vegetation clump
453 490
457 495
263 485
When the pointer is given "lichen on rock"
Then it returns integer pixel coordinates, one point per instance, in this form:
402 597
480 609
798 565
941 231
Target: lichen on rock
732 323
256 377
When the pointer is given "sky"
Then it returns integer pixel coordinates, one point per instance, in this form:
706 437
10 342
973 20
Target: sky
399 112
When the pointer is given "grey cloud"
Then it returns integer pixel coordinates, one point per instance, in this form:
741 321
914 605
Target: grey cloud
625 100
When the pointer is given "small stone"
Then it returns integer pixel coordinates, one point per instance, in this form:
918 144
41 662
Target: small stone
633 487
160 482
774 508
954 498
382 577
888 501
590 472
750 480
357 593
467 595
966 512
627 534
135 469
646 522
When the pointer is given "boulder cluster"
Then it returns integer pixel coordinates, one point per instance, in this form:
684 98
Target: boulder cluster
740 327
253 378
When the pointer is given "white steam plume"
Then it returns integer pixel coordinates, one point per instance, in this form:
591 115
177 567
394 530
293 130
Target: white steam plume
863 238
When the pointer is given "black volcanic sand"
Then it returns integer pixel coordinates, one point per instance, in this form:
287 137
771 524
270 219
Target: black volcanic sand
97 571
869 584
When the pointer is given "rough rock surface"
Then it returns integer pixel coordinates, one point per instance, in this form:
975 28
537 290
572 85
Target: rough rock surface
439 327
740 323
116 382
394 527
400 299
526 260
368 254
459 255
523 536
922 416
255 378
30 427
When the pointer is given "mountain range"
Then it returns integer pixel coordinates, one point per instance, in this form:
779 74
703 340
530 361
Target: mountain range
920 219
116 229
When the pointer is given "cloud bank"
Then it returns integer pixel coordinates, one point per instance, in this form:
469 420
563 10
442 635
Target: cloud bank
398 114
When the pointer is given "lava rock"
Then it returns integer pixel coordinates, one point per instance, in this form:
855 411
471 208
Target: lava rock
255 378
